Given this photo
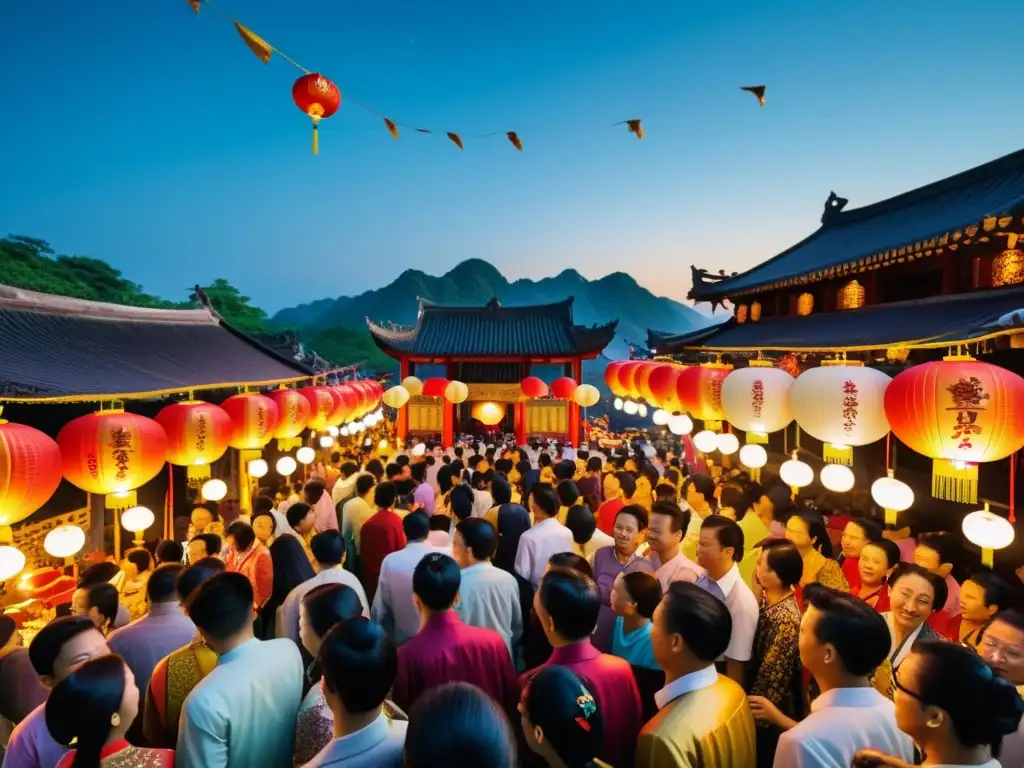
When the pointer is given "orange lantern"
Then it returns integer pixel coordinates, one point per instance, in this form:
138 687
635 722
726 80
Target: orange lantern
662 384
533 388
254 418
611 378
197 435
318 97
642 379
959 412
627 377
292 414
30 471
700 392
563 388
112 453
323 401
348 402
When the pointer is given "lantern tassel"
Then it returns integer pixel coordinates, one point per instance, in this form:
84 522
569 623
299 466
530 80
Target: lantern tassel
197 475
316 136
713 425
987 557
755 474
757 438
121 501
838 454
953 482
890 516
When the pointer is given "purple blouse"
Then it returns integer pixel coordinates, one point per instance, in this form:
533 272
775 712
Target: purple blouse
606 568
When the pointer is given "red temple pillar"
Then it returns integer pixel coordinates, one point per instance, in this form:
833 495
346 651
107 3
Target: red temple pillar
402 421
519 417
447 424
574 409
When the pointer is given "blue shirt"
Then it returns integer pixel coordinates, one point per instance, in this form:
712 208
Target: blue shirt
634 647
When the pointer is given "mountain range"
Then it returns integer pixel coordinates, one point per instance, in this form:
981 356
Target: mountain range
475 282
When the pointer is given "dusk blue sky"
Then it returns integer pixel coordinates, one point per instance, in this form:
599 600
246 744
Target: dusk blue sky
139 133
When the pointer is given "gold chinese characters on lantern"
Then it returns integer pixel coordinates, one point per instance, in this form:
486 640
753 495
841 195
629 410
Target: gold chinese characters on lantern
805 304
851 296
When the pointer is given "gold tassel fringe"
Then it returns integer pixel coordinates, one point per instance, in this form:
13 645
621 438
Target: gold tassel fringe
836 454
953 484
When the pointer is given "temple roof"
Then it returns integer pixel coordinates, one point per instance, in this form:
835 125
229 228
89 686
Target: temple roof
936 321
55 347
493 330
907 225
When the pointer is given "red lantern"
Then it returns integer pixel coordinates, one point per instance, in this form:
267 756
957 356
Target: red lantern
563 388
30 471
254 418
641 380
111 453
958 412
348 403
435 387
662 384
627 377
611 378
532 387
699 390
323 402
318 97
292 415
197 435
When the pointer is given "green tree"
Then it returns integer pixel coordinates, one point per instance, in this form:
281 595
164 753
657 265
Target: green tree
234 307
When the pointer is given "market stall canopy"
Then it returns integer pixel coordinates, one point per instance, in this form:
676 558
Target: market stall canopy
55 348
493 331
877 233
936 321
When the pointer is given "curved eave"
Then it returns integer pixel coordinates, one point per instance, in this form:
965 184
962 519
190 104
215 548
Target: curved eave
592 341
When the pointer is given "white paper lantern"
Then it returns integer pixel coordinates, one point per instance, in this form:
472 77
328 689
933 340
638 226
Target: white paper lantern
680 424
837 477
618 404
419 449
727 443
382 445
214 490
332 431
795 473
66 541
661 417
258 468
137 519
705 441
326 441
12 562
345 431
753 456
841 405
756 398
642 411
988 531
286 465
305 455
630 408
892 495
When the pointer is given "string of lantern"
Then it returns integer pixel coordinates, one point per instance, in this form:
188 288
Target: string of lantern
320 98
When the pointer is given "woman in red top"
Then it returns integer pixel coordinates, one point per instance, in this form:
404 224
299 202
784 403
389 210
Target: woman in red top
250 558
93 708
876 562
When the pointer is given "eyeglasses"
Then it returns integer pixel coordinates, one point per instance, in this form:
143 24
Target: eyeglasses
1012 653
903 689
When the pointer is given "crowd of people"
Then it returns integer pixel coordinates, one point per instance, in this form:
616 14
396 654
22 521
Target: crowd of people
498 606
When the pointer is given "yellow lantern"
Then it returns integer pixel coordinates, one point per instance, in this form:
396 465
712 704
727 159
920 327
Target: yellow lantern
395 397
456 392
988 531
586 395
488 413
412 385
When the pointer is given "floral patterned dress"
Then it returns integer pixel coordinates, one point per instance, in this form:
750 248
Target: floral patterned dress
314 728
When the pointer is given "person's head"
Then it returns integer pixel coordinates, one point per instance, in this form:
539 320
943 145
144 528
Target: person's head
630 529
393 472
635 594
665 492
461 501
290 566
418 472
568 493
544 460
364 487
580 520
934 551
700 493
323 607
222 610
97 701
459 726
263 525
384 495
162 585
594 464
560 718
720 545
10 637
666 526
570 561
774 503
626 483
99 603
841 636
240 536
857 533
359 665
501 491
312 491
690 629
204 545
543 502
262 503
376 469
300 517
98 574
328 549
475 542
947 694
63 645
982 596
1002 645
347 468
203 515
779 565
806 529
168 551
435 584
877 559
416 526
137 560
194 575
914 594
567 605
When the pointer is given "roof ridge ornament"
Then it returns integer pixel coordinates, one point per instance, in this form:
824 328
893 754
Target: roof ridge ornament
833 207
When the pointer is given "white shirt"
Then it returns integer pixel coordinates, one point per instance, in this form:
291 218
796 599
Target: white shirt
489 598
392 605
282 522
288 613
243 712
843 721
695 681
482 502
537 545
744 611
345 487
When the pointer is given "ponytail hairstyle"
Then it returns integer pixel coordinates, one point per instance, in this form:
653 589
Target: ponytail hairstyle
82 706
562 706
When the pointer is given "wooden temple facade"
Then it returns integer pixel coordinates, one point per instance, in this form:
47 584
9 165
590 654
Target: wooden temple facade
491 349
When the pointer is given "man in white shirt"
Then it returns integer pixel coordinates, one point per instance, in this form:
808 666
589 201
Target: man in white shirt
842 641
243 712
547 537
329 552
719 549
345 487
392 607
358 510
488 596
